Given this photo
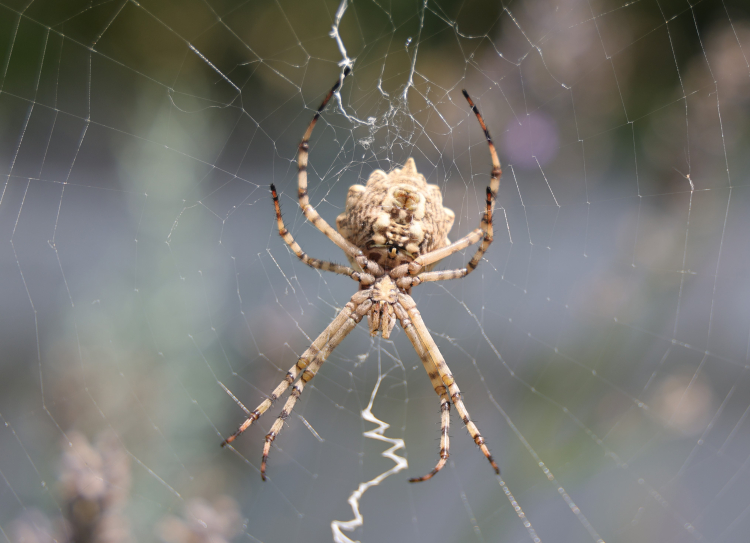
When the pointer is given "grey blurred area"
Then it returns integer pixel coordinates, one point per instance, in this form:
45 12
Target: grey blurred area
602 346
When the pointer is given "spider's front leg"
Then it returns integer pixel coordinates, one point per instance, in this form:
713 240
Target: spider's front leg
309 372
423 343
308 358
440 390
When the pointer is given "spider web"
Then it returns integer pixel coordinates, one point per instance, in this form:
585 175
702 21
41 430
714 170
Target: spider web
602 346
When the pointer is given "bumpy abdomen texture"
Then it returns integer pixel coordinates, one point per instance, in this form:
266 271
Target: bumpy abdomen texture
395 217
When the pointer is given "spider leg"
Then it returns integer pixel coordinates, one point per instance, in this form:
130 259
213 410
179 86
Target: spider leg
496 170
303 362
309 372
445 375
484 232
426 259
442 275
304 201
303 256
440 390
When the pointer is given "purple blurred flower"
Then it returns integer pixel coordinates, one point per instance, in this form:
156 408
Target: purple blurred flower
535 138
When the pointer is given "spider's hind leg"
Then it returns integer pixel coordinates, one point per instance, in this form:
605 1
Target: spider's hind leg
351 250
302 255
483 233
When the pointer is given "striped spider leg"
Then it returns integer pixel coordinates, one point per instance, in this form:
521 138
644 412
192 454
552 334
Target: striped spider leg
410 274
353 311
484 232
353 252
441 377
437 384
393 231
306 362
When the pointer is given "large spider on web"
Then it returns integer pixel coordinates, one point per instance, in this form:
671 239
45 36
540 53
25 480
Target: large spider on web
393 231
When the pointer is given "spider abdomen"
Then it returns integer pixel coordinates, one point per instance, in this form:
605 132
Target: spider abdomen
395 217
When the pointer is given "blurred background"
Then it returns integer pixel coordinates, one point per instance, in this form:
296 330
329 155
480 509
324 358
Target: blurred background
602 346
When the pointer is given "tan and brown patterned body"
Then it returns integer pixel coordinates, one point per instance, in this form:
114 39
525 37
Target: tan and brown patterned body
393 231
382 316
395 217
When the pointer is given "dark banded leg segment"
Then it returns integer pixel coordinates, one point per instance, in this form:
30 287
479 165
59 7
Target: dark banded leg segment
484 232
303 362
304 201
304 257
440 390
492 189
445 375
443 275
445 423
307 375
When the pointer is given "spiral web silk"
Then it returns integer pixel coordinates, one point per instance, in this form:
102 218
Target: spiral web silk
602 345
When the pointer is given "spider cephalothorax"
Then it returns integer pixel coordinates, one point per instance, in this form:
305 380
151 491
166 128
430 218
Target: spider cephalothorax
395 217
393 231
382 316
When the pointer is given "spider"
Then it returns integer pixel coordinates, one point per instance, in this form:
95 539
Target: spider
393 231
